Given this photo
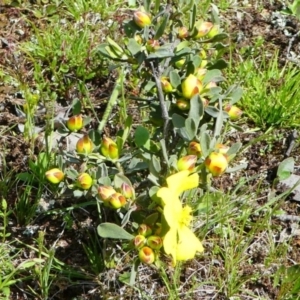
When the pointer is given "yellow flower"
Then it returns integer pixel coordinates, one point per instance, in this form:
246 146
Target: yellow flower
180 242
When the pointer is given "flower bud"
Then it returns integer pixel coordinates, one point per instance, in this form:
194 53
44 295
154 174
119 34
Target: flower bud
154 242
105 192
84 145
117 200
84 181
180 63
210 85
146 255
138 39
204 29
166 85
141 19
183 32
233 111
144 230
213 32
183 104
109 148
200 73
216 163
152 45
191 86
222 148
194 148
55 175
139 241
187 163
75 123
127 191
205 101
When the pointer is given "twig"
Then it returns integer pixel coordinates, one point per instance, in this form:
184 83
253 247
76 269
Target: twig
288 55
291 140
156 74
290 218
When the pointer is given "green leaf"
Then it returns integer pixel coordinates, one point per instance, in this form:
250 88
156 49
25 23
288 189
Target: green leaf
133 46
218 124
214 75
178 121
119 179
214 112
175 79
141 136
234 149
285 168
196 110
204 142
161 29
155 166
76 106
235 95
190 128
152 219
113 231
219 64
193 14
134 271
162 52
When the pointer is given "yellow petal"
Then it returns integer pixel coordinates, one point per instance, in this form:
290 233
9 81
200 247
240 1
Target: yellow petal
182 181
170 243
168 196
188 244
173 213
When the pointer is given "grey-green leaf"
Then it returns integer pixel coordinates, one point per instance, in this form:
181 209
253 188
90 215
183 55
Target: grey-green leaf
113 231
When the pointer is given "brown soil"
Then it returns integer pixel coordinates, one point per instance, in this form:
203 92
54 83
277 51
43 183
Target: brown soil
68 236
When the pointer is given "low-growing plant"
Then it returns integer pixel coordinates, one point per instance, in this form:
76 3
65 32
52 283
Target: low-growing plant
174 153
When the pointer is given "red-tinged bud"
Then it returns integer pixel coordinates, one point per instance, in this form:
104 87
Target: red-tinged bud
109 148
204 29
183 32
127 191
84 145
141 19
84 181
144 230
194 149
154 242
210 85
139 241
216 163
200 73
117 200
180 63
205 102
213 32
203 54
191 86
105 192
183 104
204 63
138 39
146 255
222 148
166 85
75 123
152 45
233 111
55 175
187 163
